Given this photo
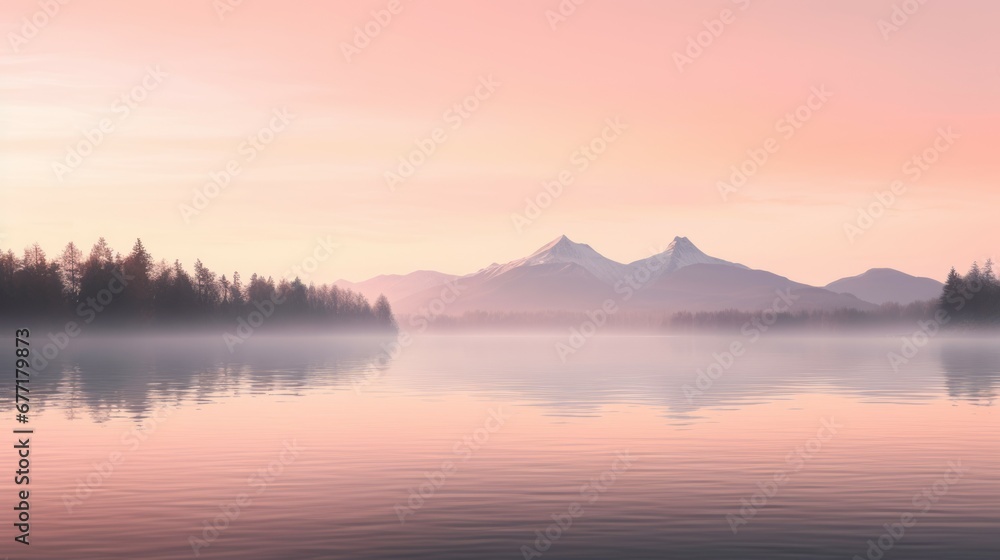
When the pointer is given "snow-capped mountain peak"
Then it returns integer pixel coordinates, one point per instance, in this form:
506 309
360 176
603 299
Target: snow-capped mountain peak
680 253
564 250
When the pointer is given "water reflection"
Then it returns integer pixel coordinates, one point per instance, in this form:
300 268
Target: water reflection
373 431
111 377
104 377
972 370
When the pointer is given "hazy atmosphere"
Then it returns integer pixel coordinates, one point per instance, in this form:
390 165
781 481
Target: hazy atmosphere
525 279
200 77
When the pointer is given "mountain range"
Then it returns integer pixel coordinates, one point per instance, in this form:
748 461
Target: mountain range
573 277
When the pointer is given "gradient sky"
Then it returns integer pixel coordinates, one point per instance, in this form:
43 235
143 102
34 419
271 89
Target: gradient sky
324 175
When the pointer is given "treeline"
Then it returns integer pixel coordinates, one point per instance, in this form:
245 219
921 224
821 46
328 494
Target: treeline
973 299
111 289
887 314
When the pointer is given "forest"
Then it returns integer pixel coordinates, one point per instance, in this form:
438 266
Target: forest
972 299
133 290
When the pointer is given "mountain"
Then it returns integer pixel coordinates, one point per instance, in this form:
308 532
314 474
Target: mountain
883 285
560 276
555 286
567 276
564 251
397 286
679 254
714 287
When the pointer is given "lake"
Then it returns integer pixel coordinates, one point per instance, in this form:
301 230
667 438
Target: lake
494 447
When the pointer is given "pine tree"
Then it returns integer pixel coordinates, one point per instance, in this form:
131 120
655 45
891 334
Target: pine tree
205 284
224 289
70 265
138 297
989 276
38 283
990 304
139 261
236 290
952 289
101 252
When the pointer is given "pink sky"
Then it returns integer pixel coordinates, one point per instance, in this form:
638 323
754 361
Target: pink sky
324 174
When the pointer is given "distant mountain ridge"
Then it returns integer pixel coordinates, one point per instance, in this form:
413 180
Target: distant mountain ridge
884 285
564 275
397 286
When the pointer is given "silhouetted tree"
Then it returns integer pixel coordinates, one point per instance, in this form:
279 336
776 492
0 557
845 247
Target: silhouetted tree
205 285
8 269
40 283
137 299
97 271
224 289
973 299
236 291
383 311
70 265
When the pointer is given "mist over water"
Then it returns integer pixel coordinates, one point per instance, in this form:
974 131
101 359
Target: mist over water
475 446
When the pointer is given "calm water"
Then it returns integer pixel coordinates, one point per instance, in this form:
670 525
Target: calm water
318 448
